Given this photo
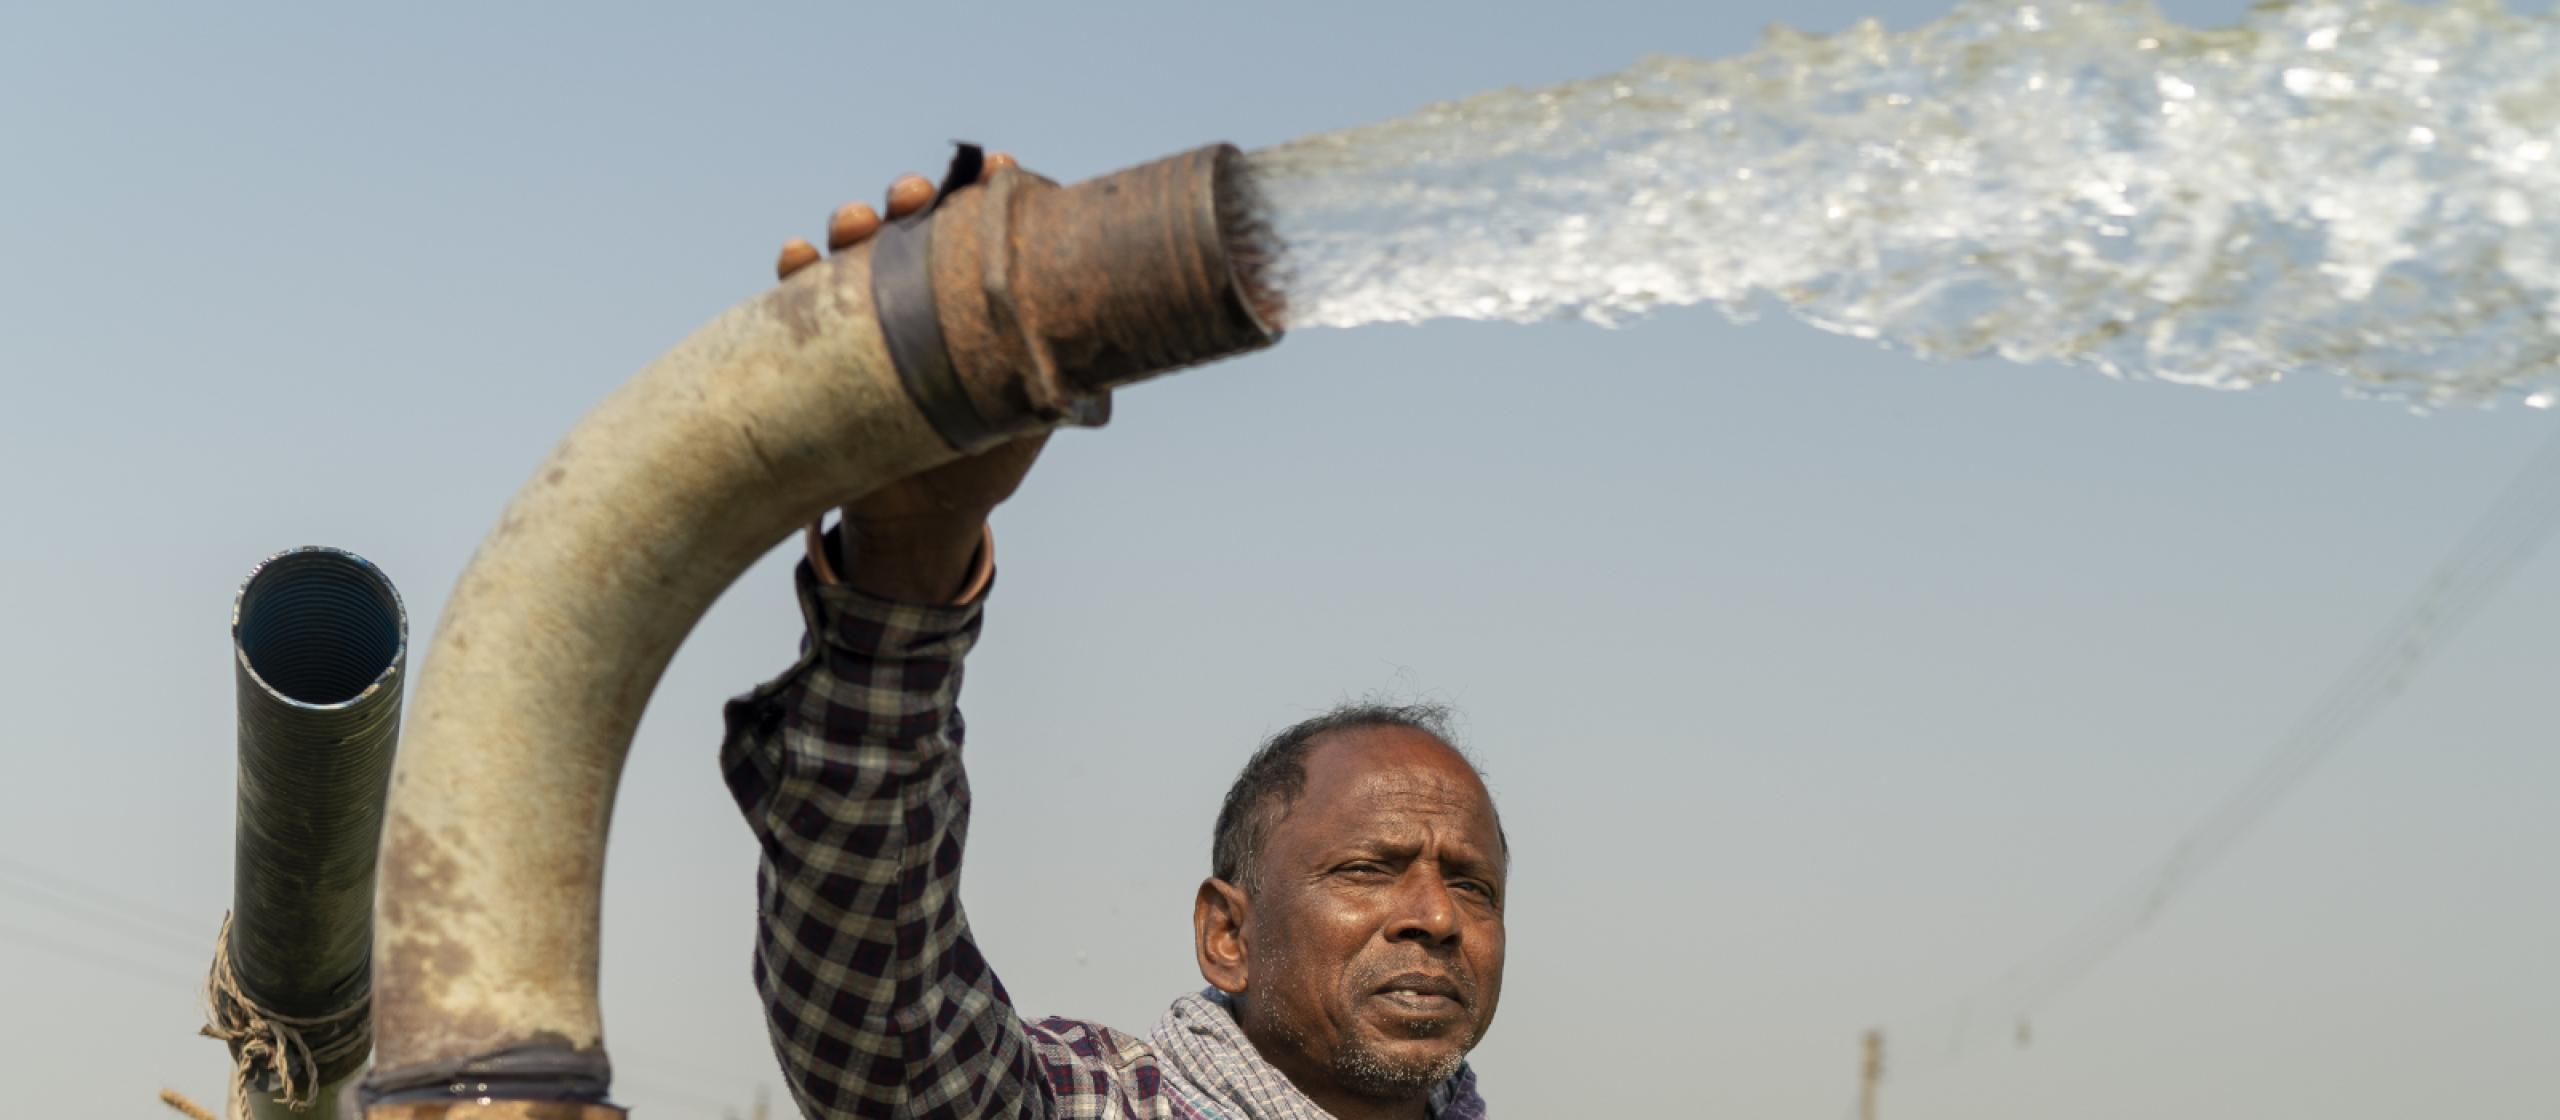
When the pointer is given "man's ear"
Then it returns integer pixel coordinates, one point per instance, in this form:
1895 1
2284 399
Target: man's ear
1218 915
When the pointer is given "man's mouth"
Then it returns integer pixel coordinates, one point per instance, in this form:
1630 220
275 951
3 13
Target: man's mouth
1422 993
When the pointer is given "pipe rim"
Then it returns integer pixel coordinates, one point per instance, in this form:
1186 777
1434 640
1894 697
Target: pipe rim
389 636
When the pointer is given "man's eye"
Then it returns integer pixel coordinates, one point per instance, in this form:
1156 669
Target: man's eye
1472 885
1363 867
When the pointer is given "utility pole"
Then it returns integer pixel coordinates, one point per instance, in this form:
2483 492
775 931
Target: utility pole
1870 1073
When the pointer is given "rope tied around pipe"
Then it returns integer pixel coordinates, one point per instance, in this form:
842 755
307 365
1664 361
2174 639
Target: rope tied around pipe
269 1045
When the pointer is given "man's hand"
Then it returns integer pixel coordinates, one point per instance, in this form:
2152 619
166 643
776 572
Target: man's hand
913 539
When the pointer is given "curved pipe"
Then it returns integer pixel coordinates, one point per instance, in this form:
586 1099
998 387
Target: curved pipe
319 641
1036 299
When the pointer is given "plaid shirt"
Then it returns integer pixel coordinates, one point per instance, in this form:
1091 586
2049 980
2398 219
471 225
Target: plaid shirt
879 1003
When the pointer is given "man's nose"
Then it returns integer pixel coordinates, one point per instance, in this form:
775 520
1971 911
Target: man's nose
1425 910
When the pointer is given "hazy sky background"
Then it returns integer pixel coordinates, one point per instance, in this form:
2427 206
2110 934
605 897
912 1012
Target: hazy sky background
1818 685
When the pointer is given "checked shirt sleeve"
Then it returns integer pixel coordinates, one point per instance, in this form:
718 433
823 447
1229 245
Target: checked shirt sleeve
848 769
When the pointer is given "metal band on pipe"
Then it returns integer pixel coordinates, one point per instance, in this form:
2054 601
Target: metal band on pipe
526 1074
902 297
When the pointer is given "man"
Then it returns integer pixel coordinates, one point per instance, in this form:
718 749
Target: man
1350 931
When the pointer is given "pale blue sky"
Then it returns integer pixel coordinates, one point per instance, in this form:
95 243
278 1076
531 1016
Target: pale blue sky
1818 684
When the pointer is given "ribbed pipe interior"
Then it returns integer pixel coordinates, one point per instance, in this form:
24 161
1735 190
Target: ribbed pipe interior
319 627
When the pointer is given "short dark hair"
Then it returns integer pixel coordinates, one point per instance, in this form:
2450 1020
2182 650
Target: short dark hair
1277 773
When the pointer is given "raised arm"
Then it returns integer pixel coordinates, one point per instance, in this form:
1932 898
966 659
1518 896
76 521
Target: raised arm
848 769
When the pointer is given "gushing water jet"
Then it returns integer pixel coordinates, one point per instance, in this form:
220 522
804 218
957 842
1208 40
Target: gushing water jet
2367 188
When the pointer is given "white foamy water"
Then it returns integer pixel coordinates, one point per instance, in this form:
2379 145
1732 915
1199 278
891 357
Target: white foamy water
2365 188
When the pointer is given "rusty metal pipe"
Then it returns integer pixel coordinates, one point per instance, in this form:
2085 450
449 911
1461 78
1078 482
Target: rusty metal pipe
1011 307
1039 299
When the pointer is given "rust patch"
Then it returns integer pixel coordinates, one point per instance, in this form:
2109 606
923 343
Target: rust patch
1130 275
565 1110
418 957
418 871
444 957
552 1040
1049 297
410 1029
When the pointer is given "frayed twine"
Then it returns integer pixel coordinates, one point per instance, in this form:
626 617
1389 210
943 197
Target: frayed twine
268 1047
187 1108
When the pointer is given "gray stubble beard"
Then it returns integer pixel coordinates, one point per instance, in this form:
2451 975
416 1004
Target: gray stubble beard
1360 1068
1371 1074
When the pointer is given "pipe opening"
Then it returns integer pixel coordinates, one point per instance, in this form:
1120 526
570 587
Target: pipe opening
1253 249
318 626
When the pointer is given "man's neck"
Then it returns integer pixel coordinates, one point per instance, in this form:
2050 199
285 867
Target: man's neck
1345 1106
1319 1086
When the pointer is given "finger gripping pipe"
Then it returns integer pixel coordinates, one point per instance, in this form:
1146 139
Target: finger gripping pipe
1039 300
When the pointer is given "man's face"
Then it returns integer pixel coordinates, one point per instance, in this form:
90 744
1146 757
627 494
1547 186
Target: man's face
1374 938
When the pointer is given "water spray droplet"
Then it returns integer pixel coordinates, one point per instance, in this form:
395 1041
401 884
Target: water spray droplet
2304 81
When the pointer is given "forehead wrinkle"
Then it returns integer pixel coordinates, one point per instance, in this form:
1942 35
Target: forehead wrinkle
1424 824
1424 807
1422 800
1356 795
1419 784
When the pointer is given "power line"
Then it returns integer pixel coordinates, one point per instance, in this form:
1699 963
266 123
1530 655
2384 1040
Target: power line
2523 515
691 1086
96 917
155 928
110 962
134 908
2479 566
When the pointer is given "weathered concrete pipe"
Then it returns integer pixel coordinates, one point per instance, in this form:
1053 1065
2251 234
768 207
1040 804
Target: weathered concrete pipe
1006 309
319 640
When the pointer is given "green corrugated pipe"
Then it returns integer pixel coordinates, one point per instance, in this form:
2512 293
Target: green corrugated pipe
319 642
